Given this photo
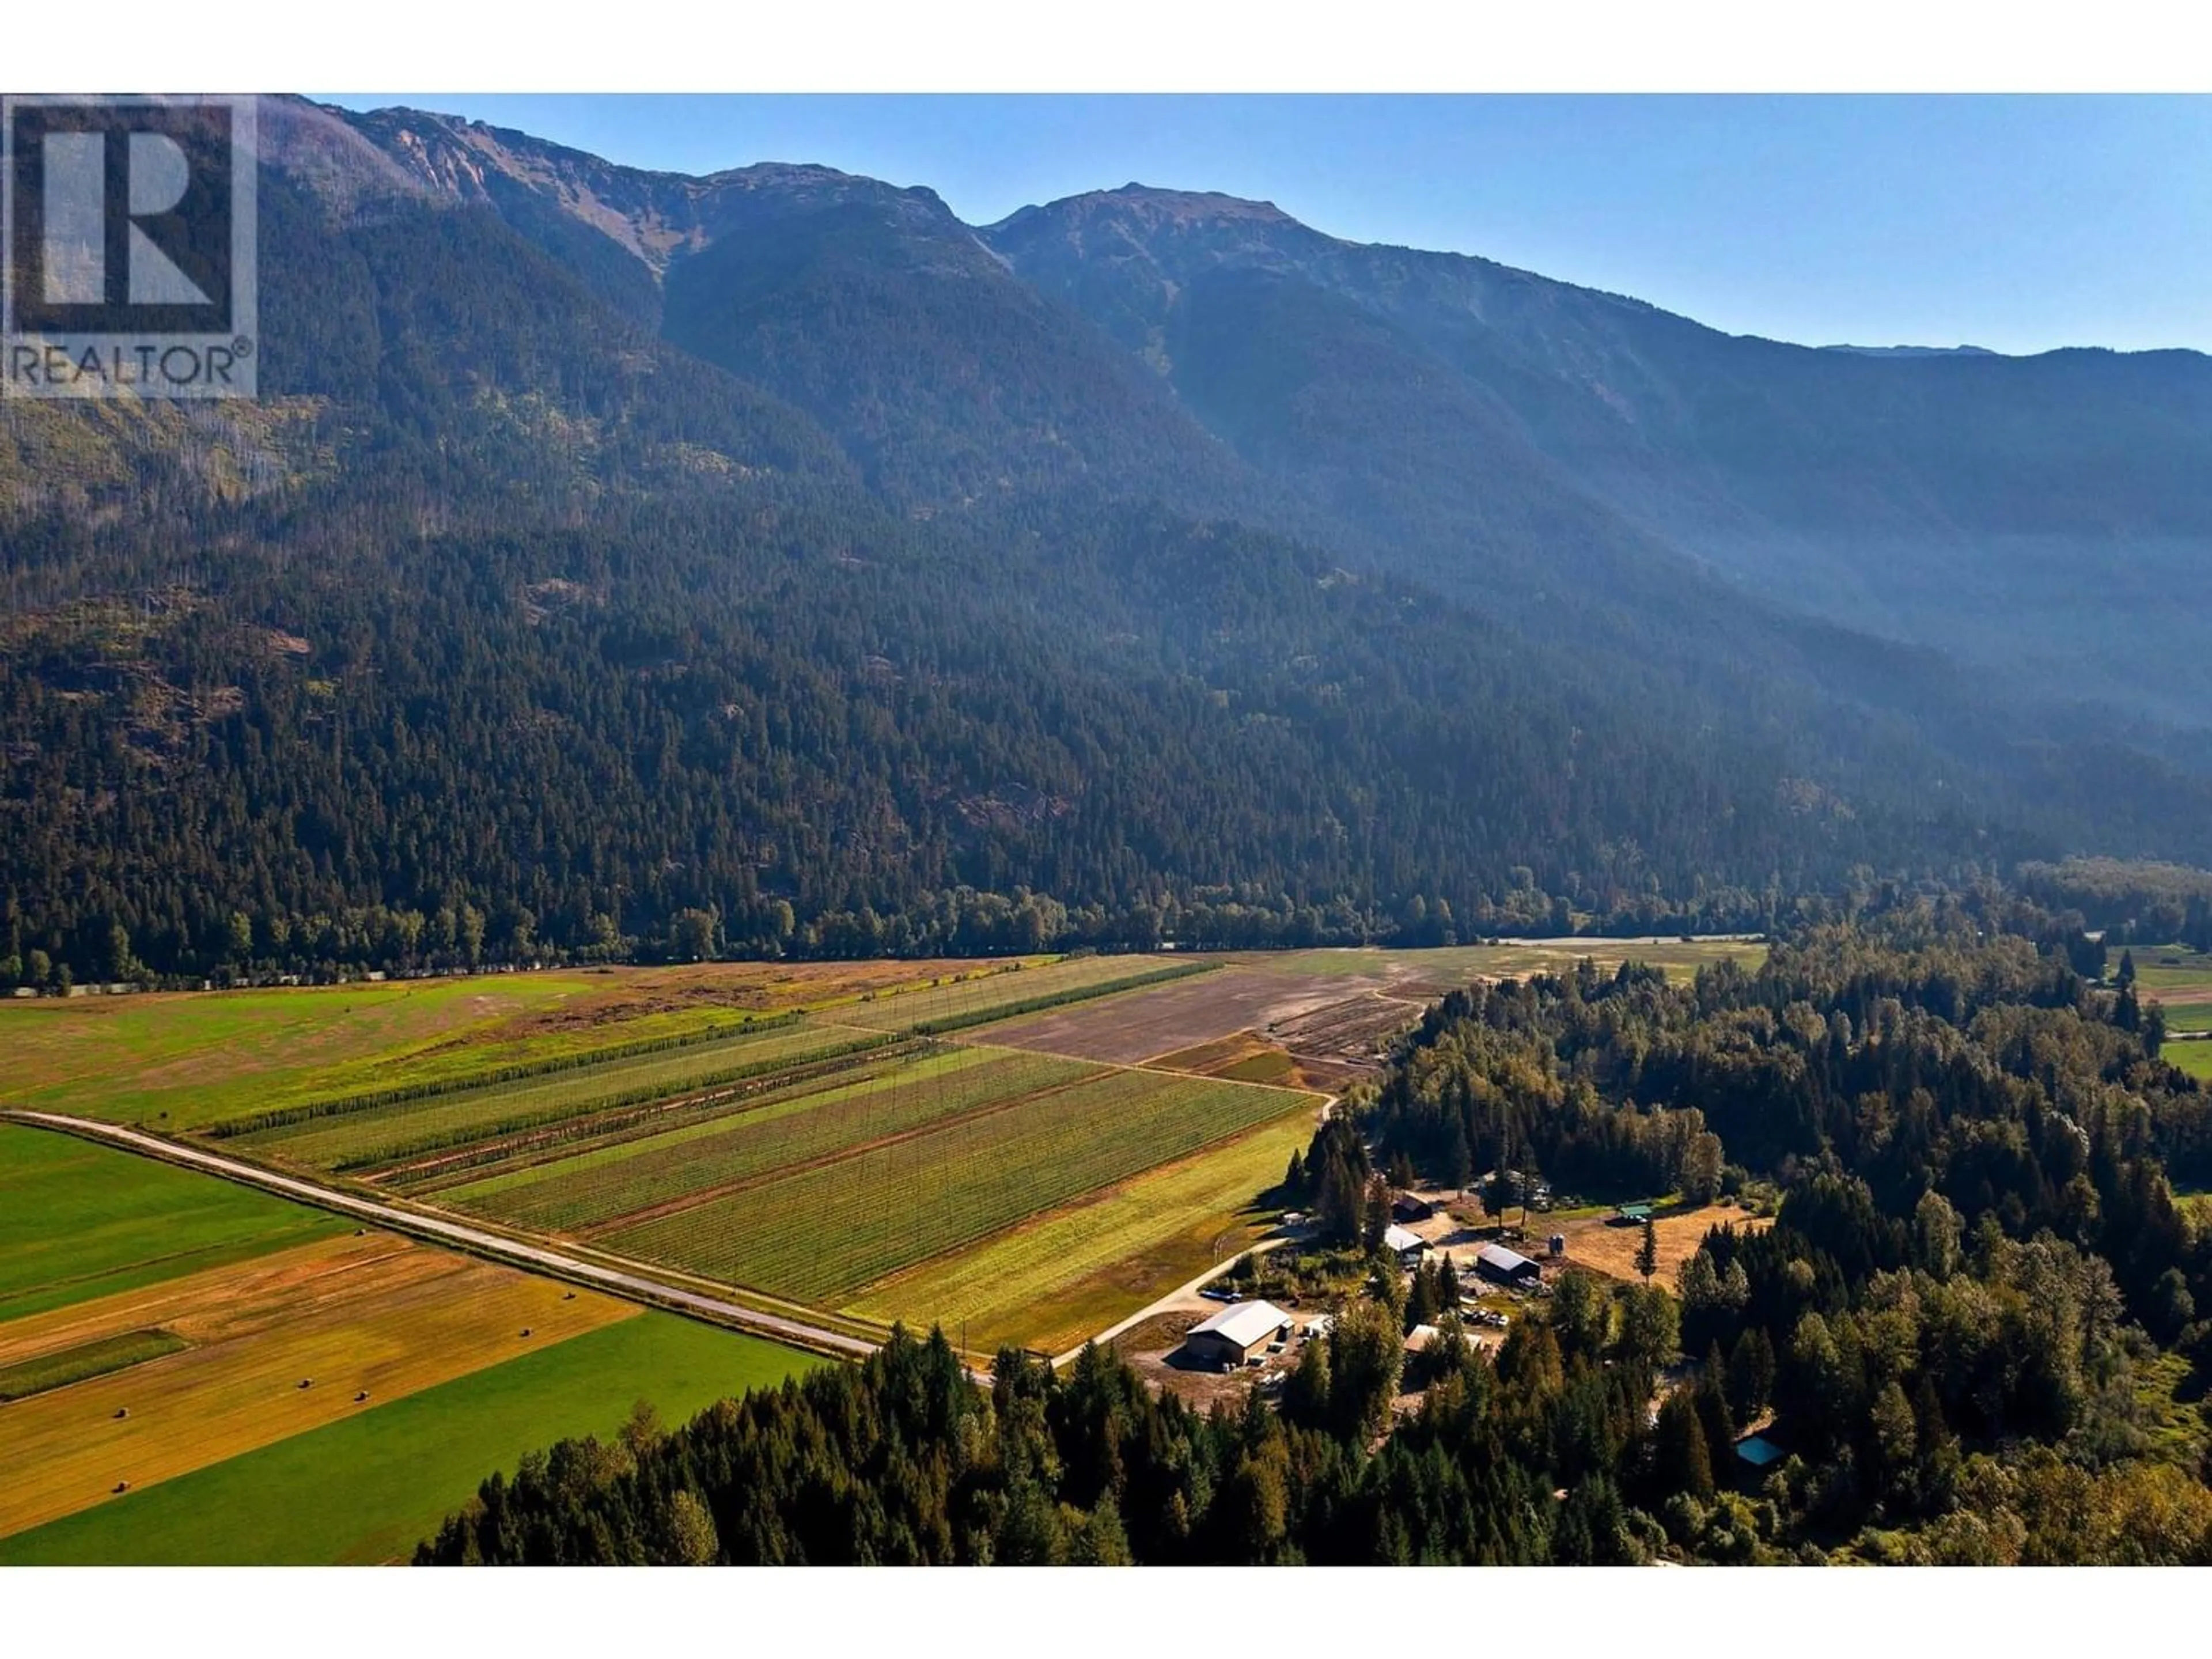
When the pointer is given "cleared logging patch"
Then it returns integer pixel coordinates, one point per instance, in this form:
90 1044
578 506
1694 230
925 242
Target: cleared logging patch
622 1179
820 1234
85 1361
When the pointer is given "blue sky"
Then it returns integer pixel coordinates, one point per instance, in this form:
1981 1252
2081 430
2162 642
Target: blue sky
2012 222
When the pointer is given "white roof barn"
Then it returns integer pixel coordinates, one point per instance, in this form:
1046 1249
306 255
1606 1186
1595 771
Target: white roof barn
1403 1241
1246 1323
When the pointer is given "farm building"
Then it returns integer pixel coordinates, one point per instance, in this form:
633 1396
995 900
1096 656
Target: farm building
1405 1244
1407 1207
1630 1215
1236 1333
1507 1266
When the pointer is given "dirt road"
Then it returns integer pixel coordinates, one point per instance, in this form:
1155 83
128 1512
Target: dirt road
635 1286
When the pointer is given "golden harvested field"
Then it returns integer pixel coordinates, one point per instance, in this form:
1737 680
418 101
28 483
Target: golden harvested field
371 1313
1065 1276
1608 1249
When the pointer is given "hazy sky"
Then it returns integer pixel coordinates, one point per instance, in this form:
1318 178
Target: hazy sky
2016 223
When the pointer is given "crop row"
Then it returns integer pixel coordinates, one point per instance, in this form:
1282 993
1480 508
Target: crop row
593 1189
822 1234
276 1117
541 1137
528 1155
954 1007
367 1139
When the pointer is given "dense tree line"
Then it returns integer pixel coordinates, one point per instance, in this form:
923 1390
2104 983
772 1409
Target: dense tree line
2128 901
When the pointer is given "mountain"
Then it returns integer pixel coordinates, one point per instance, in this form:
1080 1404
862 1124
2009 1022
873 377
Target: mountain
1952 499
613 553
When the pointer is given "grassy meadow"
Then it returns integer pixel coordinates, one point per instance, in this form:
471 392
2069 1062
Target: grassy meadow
79 1221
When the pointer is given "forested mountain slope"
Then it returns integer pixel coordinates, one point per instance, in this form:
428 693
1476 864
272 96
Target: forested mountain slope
608 544
1773 527
1948 498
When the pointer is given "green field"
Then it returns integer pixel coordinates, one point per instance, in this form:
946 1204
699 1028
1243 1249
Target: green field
181 1062
79 1221
367 1488
79 1364
620 1179
823 1233
1064 1277
2194 1058
2180 981
410 1128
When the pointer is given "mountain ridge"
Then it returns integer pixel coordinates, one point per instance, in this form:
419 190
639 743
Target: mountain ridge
859 579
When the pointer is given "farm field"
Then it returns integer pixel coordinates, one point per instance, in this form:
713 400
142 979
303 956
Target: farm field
2181 982
172 1360
949 1004
79 1221
411 1129
374 1315
1032 1146
821 1233
398 1469
1141 1025
622 1179
1243 1056
177 1060
1060 1279
2194 1058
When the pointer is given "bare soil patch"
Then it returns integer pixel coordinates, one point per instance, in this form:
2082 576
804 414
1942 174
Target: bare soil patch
1174 1018
1594 1242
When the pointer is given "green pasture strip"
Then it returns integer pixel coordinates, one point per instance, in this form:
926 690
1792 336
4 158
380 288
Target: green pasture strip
193 1059
82 1363
79 1221
511 1161
368 1488
516 1153
369 1139
754 1144
511 1072
2194 1058
820 1235
802 1096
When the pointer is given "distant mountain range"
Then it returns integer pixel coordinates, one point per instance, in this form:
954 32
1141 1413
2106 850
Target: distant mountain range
776 545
